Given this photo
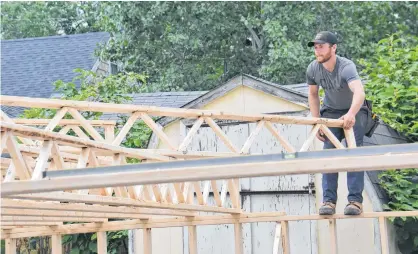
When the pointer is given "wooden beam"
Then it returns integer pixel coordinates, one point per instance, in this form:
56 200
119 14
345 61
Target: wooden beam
350 138
42 161
238 238
251 138
19 163
101 242
56 156
125 129
383 235
331 137
56 244
147 241
161 111
62 122
7 119
191 221
285 237
192 239
211 172
74 141
11 246
277 242
191 133
56 119
48 219
333 236
45 207
311 137
218 131
157 130
286 145
79 132
86 125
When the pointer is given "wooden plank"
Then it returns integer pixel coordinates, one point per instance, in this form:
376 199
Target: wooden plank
11 245
211 172
192 239
238 238
333 236
383 235
311 137
191 133
48 219
198 191
206 189
179 192
101 242
42 161
221 134
109 133
56 244
286 145
161 111
56 119
234 193
285 237
125 129
8 120
331 137
86 125
350 138
251 138
74 141
277 242
4 137
82 163
157 130
224 190
56 156
147 241
19 163
191 221
62 122
11 173
79 132
216 195
65 130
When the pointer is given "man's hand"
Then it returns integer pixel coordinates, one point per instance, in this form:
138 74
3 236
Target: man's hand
320 135
349 120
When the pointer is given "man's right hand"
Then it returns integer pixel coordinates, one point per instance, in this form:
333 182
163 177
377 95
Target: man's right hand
320 135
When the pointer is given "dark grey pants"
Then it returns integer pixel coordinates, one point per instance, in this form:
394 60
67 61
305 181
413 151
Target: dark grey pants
355 180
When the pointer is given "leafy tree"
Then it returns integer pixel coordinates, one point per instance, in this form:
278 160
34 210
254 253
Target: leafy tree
37 19
182 45
392 85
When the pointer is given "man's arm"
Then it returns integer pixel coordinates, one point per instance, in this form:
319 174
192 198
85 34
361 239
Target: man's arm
313 99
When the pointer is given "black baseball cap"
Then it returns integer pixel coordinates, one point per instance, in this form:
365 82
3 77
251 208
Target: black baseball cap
323 37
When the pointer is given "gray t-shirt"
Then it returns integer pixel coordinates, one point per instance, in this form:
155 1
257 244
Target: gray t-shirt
335 84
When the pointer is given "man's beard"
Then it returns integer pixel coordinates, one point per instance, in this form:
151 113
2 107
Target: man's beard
325 58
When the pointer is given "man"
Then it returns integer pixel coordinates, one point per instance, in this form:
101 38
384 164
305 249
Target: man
344 99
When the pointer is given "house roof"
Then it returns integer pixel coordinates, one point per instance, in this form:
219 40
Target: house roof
30 66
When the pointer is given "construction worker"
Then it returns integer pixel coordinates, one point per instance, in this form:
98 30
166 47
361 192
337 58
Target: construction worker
345 100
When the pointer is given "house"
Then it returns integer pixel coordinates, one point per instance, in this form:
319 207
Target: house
29 67
297 195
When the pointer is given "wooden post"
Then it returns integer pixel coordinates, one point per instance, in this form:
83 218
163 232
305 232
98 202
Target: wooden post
238 238
192 240
277 239
285 237
56 244
11 246
333 236
147 241
383 235
101 242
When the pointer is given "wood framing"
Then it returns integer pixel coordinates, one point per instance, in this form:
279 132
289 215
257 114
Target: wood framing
53 177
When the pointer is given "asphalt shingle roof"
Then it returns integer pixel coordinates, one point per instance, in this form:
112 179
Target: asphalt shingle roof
30 66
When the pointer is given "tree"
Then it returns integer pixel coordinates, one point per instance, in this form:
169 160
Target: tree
37 19
182 45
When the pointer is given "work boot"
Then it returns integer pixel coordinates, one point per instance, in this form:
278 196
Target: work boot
328 208
353 208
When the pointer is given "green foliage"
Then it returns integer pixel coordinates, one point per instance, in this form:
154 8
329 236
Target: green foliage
37 19
392 83
402 187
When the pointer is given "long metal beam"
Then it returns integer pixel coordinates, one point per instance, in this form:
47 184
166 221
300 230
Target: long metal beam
323 154
407 158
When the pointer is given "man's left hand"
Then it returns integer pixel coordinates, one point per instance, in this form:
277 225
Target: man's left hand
349 120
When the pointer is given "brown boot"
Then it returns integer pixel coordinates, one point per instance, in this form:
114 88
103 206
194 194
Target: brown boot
353 208
328 208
